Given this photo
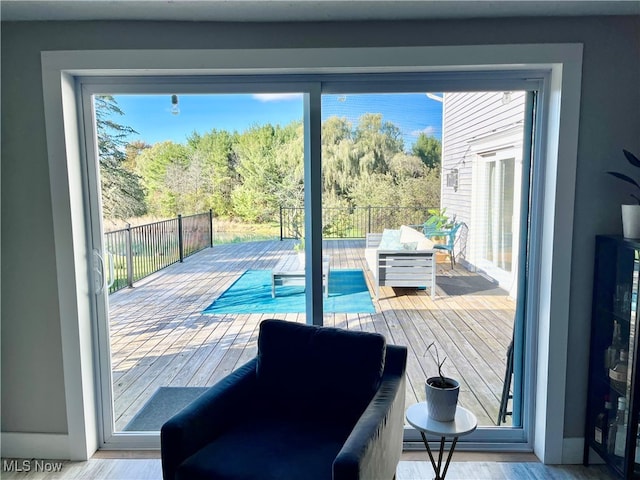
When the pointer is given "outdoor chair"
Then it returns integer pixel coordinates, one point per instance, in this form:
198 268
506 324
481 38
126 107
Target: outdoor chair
450 235
506 387
317 403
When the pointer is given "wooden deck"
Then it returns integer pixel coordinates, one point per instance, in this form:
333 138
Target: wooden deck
159 337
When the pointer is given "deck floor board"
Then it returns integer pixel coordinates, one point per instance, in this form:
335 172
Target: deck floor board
159 336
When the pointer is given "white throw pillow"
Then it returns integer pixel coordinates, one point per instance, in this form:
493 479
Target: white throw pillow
410 235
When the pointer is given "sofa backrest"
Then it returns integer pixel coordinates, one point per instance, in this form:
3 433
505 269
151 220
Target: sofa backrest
410 235
404 238
328 372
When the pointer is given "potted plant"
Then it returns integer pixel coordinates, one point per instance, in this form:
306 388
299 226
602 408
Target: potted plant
441 393
436 228
630 213
437 220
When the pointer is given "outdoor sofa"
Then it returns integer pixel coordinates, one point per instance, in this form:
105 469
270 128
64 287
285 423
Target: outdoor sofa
401 258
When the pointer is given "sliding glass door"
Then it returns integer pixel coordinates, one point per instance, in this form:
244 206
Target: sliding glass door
497 217
274 204
499 239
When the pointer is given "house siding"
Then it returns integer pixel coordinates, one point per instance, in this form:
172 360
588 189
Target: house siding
469 117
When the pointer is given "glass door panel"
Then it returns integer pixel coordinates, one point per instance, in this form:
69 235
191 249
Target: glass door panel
194 189
405 164
499 219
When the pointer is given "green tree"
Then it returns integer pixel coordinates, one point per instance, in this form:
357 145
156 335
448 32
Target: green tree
218 166
132 151
289 192
250 175
270 168
421 191
190 183
429 149
376 142
158 166
404 166
377 190
408 183
340 163
122 193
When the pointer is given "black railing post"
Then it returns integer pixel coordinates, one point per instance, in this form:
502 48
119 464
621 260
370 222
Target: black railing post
129 257
180 240
210 227
369 221
281 224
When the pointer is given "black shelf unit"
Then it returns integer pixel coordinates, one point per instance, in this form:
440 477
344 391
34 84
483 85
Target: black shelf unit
616 291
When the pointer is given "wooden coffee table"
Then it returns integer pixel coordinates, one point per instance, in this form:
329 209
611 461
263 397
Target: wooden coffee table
290 271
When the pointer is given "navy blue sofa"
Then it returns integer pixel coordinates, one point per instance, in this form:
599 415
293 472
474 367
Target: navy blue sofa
317 403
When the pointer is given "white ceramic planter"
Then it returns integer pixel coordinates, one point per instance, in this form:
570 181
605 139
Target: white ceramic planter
631 221
442 402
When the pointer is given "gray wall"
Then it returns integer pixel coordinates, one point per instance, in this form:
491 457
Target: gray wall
32 374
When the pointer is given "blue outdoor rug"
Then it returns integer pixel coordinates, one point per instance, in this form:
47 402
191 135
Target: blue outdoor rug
251 293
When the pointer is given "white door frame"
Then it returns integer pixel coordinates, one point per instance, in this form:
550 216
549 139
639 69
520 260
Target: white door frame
557 144
505 437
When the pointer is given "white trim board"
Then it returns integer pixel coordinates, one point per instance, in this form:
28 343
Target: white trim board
555 225
310 60
50 446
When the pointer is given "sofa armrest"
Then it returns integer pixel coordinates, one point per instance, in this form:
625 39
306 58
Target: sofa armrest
373 240
205 418
374 447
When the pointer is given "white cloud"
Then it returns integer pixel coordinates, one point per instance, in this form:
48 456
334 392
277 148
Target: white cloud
276 97
429 131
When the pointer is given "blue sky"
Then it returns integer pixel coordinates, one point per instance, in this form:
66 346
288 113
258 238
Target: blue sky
151 117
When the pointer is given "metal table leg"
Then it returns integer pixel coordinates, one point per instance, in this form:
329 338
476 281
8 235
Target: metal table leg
437 468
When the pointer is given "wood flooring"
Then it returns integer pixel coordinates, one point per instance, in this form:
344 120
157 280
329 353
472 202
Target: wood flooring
150 469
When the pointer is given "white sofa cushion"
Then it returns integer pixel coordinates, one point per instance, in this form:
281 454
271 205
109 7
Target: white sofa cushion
409 235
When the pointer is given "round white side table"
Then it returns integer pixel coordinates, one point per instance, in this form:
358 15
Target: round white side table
464 423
